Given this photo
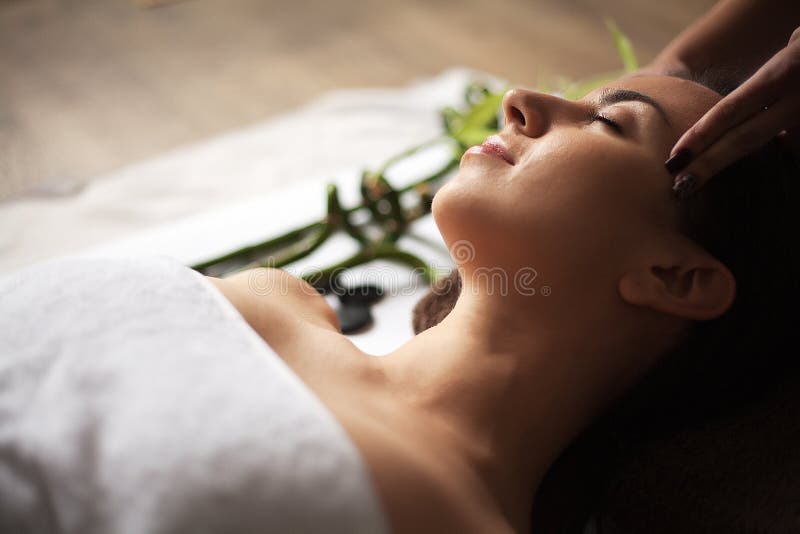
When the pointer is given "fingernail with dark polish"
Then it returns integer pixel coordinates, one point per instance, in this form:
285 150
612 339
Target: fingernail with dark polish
681 158
684 186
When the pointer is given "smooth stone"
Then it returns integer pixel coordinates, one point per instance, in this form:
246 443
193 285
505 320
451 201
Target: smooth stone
353 317
363 294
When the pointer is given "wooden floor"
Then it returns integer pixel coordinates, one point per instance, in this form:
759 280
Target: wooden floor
87 86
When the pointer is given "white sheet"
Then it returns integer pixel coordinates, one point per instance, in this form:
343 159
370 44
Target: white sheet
135 399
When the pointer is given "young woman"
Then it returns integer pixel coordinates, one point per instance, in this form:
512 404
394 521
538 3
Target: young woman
590 297
581 273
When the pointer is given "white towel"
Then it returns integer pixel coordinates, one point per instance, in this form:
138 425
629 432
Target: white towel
135 399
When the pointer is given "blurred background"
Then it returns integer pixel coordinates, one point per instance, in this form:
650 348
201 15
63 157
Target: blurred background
88 86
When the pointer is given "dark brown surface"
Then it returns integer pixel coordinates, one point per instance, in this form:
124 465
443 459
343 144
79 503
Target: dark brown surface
87 86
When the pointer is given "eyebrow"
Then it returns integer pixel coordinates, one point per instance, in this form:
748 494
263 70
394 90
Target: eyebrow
612 96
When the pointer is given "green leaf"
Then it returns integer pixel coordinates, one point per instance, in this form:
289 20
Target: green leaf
474 136
624 46
452 120
477 123
483 113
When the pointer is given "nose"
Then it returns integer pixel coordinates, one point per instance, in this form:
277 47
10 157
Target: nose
528 111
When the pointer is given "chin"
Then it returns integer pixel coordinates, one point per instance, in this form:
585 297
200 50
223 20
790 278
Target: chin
440 205
450 210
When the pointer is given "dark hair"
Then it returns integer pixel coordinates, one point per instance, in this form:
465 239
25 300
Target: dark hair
745 218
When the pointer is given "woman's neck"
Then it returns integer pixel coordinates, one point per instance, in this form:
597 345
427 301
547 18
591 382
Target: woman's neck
499 384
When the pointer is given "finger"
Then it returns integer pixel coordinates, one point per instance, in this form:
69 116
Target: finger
741 104
762 89
740 141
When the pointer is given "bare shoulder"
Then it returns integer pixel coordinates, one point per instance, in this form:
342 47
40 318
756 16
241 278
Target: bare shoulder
298 323
272 300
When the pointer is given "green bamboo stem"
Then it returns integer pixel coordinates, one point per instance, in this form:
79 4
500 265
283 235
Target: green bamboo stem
302 249
340 217
259 248
295 245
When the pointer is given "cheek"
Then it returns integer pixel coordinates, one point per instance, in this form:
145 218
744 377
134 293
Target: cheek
581 209
562 207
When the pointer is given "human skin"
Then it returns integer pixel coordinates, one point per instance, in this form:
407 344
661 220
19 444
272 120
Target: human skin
492 395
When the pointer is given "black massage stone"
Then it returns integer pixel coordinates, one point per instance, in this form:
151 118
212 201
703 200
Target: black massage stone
364 294
353 317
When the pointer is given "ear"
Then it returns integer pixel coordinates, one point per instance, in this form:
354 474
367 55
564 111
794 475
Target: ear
694 285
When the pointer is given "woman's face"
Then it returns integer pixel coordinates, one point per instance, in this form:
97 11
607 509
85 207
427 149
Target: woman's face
578 199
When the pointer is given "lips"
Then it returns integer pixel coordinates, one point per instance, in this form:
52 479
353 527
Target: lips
493 146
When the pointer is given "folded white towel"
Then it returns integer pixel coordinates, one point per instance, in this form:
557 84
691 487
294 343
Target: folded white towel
135 399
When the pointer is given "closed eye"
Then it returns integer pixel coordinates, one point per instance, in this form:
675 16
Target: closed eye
611 123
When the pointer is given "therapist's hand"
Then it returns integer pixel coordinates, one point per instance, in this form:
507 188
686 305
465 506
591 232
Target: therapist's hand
766 105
